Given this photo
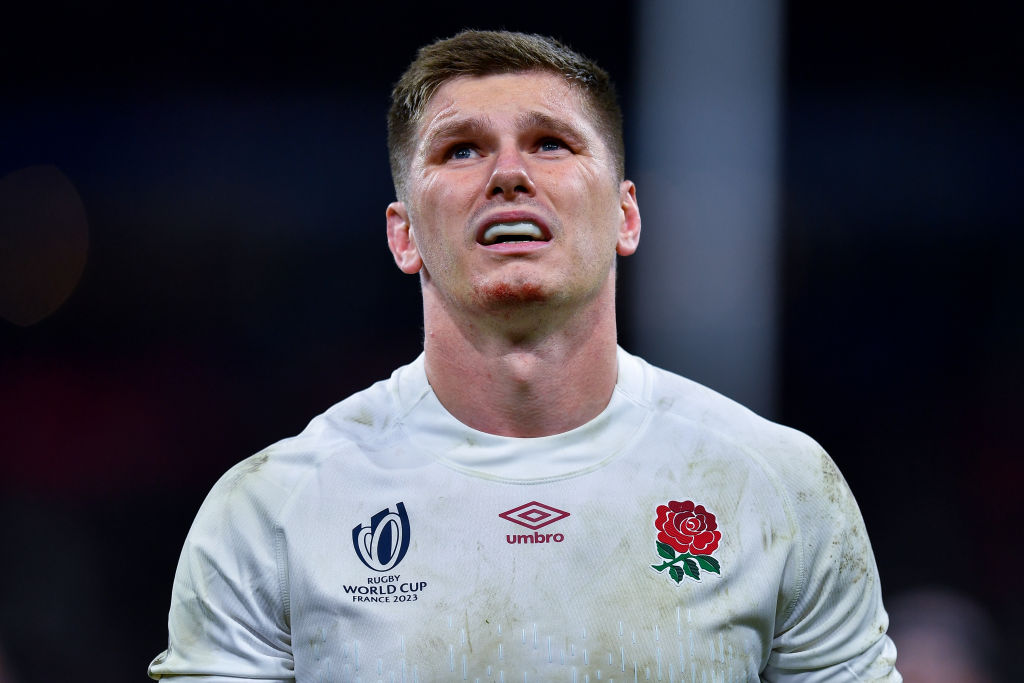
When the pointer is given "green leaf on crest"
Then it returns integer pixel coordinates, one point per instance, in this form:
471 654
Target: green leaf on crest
676 573
691 569
666 551
709 563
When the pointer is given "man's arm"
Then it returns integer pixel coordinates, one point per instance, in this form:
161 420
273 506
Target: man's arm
833 628
228 618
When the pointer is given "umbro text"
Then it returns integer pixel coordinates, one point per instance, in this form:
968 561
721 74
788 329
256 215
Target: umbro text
536 537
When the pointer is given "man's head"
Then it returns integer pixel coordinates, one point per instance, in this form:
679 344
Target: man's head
511 199
484 53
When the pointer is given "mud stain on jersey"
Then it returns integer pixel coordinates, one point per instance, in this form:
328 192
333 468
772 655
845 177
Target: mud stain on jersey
668 645
833 486
256 462
363 417
850 549
768 536
248 467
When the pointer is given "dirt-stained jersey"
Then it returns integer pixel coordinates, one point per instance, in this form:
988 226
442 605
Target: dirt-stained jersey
675 537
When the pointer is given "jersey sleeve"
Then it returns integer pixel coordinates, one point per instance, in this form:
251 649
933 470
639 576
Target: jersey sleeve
833 626
229 617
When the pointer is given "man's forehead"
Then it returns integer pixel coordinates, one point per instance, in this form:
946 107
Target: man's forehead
515 94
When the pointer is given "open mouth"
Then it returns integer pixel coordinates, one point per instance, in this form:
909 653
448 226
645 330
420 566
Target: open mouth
520 231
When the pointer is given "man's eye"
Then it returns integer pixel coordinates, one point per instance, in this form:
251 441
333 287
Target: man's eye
551 145
461 152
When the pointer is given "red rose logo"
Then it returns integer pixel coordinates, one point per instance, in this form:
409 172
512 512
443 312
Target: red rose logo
691 531
688 528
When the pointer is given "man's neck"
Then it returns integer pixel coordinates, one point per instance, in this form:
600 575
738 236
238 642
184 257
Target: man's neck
498 380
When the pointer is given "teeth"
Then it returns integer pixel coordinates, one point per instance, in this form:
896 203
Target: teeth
527 231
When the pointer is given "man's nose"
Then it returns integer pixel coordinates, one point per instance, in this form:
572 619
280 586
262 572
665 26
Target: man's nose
510 176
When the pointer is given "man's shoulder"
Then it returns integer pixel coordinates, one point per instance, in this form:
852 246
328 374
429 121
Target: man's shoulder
364 417
736 428
689 400
799 469
363 422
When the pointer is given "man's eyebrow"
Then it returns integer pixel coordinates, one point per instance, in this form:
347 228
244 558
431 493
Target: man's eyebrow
536 119
456 128
478 126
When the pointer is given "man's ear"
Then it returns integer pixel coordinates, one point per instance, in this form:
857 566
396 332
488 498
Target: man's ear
629 230
401 240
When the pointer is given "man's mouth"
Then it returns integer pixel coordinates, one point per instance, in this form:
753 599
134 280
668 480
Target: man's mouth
520 231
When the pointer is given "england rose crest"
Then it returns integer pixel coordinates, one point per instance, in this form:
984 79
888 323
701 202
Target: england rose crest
687 535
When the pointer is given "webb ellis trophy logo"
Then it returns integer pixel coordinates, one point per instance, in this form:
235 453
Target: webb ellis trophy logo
381 545
383 542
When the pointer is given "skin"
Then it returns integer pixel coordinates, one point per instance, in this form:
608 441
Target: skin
519 337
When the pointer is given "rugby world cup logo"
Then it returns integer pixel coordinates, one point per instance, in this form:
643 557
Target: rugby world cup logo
383 542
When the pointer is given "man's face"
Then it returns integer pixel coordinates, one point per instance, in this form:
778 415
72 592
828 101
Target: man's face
512 197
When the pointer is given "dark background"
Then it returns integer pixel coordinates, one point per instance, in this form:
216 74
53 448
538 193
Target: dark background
230 159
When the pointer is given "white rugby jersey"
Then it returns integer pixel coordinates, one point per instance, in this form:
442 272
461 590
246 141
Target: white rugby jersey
675 537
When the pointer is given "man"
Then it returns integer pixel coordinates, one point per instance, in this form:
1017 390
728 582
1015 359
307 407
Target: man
525 501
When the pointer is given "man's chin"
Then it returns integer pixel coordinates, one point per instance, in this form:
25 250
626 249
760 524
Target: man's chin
502 294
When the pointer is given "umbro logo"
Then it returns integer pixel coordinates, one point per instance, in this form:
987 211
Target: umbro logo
534 515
